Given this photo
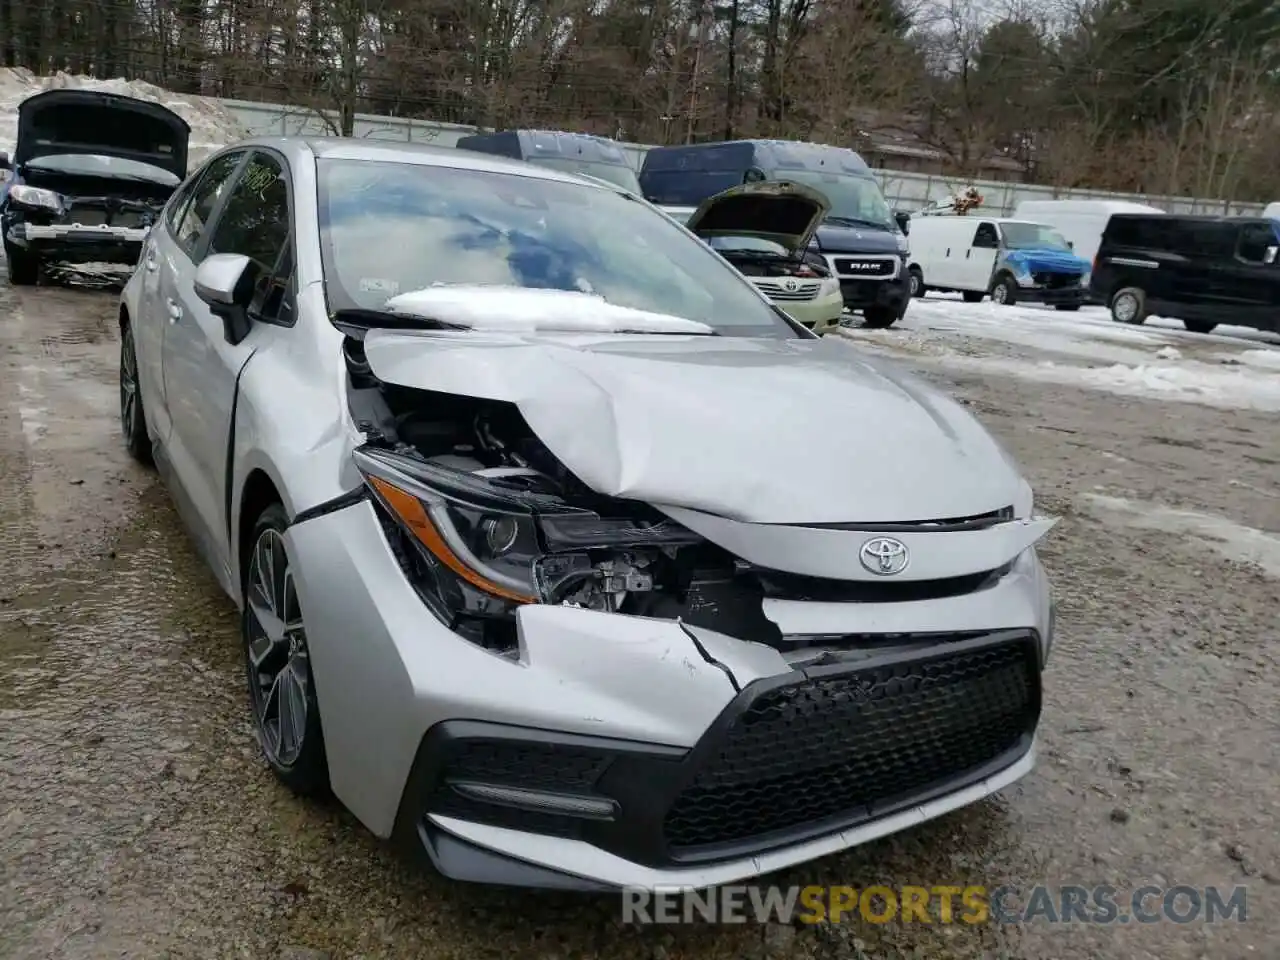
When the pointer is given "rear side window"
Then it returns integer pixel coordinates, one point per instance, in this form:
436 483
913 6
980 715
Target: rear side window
1203 238
194 220
178 206
1255 238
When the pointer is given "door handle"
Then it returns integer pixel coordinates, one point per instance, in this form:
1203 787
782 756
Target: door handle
948 251
967 254
175 310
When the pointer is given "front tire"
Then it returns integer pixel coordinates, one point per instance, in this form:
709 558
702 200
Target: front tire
915 279
282 693
881 318
133 419
23 266
1129 305
1005 292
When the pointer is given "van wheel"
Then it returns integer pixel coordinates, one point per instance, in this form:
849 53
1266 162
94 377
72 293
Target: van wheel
916 280
1129 305
1200 326
1005 292
972 296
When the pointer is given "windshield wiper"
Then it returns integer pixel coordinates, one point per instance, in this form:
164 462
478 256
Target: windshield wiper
855 221
366 318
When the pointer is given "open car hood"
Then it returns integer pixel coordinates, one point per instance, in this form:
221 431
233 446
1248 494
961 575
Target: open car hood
103 124
786 213
803 431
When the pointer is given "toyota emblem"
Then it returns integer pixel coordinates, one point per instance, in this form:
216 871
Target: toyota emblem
884 556
790 285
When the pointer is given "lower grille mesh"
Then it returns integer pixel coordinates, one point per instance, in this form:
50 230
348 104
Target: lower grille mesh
848 746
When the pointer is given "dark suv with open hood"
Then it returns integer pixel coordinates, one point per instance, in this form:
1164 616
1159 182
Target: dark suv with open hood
90 173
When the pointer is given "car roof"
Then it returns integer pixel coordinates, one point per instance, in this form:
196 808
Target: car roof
350 148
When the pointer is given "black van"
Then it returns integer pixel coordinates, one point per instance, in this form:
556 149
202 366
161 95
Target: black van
566 152
1201 270
860 239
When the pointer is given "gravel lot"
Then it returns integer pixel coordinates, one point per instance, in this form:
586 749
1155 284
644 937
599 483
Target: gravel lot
137 821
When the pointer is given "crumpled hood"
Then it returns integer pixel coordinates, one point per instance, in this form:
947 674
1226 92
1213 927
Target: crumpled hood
766 431
1048 260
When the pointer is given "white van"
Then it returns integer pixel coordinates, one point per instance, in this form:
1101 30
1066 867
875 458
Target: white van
1080 221
1013 260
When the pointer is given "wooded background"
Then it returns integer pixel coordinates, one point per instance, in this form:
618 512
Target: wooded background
1159 96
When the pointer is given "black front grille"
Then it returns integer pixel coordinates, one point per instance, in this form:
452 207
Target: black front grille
870 268
1056 281
837 746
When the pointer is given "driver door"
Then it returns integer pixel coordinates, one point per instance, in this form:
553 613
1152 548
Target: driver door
980 258
201 368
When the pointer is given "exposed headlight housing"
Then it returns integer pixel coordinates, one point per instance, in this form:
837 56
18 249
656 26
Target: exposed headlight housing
34 197
479 550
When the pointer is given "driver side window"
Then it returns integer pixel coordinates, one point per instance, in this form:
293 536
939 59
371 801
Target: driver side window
194 220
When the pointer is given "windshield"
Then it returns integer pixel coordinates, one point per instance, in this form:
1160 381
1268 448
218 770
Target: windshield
851 198
92 165
388 228
748 245
1026 236
624 177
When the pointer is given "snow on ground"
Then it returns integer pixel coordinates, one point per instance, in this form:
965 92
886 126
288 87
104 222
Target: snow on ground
212 125
1159 359
1233 540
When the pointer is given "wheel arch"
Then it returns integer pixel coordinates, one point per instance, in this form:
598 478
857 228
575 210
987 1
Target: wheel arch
258 492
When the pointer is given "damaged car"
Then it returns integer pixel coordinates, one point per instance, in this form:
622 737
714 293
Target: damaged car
546 567
89 174
766 231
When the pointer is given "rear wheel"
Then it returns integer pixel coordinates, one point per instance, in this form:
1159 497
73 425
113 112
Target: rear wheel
916 280
282 692
1129 305
1005 292
23 266
133 421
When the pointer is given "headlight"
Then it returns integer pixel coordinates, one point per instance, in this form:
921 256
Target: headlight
904 245
479 549
35 197
830 287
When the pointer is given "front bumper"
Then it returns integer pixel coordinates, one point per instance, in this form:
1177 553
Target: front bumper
623 751
819 314
1055 294
75 243
892 293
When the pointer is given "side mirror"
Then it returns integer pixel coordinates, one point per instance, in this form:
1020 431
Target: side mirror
754 175
225 282
1270 256
1071 244
904 221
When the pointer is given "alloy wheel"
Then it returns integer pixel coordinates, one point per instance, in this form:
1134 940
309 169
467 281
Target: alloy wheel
128 383
279 664
1125 308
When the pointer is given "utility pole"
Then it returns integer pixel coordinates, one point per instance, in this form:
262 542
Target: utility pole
706 17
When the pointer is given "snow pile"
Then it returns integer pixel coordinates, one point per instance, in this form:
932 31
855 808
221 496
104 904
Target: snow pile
1233 540
212 125
1266 359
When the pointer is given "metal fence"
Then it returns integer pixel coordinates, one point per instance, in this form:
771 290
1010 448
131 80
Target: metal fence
904 190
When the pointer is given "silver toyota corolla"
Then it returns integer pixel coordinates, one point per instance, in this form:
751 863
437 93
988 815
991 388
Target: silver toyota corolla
561 553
